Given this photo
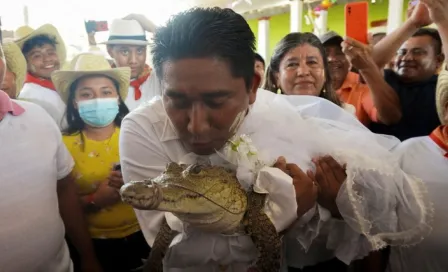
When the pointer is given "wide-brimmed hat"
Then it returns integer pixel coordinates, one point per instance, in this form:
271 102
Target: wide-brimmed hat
15 62
128 32
90 64
331 36
442 96
25 33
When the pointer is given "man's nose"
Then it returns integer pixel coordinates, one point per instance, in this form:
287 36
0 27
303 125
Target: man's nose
47 58
331 58
132 58
408 56
198 120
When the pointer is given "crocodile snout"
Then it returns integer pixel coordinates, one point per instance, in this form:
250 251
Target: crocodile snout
142 195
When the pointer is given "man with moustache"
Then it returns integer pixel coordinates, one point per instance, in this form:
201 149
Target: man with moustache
420 53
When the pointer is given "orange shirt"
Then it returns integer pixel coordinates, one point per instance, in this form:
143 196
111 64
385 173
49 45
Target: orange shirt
357 94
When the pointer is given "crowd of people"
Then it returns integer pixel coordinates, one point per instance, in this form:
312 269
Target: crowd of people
353 140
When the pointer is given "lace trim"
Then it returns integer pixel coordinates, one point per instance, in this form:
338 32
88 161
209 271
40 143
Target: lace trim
378 241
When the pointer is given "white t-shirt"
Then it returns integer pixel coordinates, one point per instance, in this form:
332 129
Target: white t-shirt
150 88
423 158
33 159
47 99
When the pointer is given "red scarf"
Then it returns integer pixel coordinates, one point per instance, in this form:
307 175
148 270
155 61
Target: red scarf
136 83
46 83
440 137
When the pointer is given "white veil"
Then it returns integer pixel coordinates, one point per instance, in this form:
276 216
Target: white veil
381 205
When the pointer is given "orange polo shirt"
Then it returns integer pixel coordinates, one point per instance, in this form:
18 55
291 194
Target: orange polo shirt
357 94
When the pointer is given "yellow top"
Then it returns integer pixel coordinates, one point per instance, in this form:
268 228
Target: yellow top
93 162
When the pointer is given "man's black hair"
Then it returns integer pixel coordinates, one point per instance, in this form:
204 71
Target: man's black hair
207 32
434 34
38 41
259 58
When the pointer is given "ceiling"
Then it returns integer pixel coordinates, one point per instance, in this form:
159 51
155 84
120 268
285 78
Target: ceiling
240 6
254 8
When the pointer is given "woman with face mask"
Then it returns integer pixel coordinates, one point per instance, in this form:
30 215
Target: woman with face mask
93 93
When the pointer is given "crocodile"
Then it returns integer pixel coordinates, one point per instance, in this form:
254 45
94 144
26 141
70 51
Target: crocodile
208 198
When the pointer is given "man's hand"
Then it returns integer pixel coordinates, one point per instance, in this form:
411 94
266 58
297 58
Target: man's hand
143 21
418 14
305 187
330 175
438 10
358 54
91 38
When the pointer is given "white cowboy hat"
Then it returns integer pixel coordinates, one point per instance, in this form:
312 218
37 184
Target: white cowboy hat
15 62
24 33
90 64
442 96
128 32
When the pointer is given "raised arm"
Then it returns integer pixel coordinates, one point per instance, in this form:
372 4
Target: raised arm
385 99
438 12
147 24
385 50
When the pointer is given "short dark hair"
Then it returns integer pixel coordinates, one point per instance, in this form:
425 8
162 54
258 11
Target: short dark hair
434 34
38 41
259 58
207 32
289 42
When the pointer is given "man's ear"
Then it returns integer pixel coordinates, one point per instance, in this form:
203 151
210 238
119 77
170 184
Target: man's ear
253 89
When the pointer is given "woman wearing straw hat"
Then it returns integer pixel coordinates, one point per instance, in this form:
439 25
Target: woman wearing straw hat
15 69
427 157
93 93
44 51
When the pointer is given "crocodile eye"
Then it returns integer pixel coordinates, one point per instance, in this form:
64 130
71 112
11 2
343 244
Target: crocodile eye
196 169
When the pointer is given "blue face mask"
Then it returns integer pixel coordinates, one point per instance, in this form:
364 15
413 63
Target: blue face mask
98 112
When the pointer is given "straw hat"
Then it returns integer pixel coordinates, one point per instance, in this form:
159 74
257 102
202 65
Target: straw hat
15 62
90 64
442 95
128 32
24 33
